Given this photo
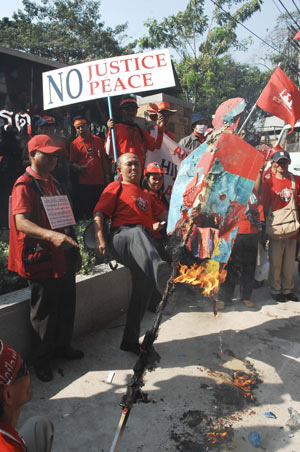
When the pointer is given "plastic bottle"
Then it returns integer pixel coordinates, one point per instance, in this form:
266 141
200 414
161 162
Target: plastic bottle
254 439
294 419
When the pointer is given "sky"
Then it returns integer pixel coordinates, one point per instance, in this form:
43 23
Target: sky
136 12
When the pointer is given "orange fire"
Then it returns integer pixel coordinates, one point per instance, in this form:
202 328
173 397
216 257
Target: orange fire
207 276
245 383
215 437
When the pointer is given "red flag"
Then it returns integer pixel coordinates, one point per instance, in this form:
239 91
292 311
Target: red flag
297 36
281 98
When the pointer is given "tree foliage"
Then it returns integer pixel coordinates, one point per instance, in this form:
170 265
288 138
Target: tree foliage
288 50
206 74
223 79
69 31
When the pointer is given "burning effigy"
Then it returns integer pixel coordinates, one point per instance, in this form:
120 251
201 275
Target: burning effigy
209 196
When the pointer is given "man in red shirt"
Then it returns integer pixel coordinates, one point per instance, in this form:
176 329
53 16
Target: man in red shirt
129 136
277 192
47 258
130 242
36 435
89 161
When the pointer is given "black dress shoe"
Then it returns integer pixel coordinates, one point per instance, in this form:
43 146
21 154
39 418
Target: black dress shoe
291 297
68 353
279 297
44 372
131 347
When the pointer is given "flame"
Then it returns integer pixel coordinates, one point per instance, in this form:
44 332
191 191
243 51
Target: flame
207 276
245 383
215 437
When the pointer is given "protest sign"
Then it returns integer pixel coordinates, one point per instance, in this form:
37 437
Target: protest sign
59 211
108 77
169 157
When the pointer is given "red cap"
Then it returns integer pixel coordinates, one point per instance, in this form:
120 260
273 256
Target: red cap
128 101
49 119
42 143
10 362
154 167
156 108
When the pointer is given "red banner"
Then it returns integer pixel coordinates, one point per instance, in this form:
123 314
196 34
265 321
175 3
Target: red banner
297 36
281 98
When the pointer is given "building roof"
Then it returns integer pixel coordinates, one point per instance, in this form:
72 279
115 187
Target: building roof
31 57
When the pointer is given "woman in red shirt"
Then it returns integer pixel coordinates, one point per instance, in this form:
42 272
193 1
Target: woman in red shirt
153 183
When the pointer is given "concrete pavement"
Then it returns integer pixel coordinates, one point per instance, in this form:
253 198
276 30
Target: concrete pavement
198 356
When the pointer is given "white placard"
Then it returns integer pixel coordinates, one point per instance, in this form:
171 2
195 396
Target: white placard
59 211
108 77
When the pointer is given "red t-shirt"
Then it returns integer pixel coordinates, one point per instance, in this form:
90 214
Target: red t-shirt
10 441
130 205
26 199
267 174
276 193
89 152
131 139
158 205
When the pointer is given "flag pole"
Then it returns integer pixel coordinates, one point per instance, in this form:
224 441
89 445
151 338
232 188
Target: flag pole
112 130
251 111
247 119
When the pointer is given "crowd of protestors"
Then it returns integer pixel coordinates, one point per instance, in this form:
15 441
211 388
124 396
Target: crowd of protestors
132 199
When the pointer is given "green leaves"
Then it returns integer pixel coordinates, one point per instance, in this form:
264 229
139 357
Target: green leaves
69 31
208 75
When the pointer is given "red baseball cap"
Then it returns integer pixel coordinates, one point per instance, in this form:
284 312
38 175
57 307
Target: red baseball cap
10 362
49 119
156 108
42 143
154 167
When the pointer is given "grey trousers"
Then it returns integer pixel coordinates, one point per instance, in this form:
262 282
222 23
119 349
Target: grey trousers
282 254
37 433
134 248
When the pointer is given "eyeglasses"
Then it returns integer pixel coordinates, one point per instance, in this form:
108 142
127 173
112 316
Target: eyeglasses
23 371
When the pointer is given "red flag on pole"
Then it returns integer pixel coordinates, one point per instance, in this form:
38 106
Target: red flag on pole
297 36
281 98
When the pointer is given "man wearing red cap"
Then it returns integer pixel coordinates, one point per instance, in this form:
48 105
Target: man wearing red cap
36 435
88 159
47 258
131 212
129 136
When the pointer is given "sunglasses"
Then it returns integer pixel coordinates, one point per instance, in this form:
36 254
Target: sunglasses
23 371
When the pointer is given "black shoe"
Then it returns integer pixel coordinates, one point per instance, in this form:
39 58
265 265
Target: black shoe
44 372
291 297
68 353
279 297
131 347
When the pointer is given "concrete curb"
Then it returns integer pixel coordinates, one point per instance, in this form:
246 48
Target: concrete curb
101 298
